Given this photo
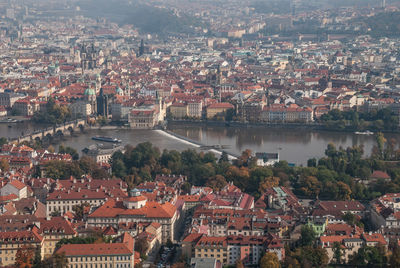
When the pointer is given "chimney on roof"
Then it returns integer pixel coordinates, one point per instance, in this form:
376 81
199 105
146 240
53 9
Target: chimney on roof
79 189
48 180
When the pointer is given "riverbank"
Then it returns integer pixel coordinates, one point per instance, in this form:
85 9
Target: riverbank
203 123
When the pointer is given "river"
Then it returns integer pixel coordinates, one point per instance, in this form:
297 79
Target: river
294 146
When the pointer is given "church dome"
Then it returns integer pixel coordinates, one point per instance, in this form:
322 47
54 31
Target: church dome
89 92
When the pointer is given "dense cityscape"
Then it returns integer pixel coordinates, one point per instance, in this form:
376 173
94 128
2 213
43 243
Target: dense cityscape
155 89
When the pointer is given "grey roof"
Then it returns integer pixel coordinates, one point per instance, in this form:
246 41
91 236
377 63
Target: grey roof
203 262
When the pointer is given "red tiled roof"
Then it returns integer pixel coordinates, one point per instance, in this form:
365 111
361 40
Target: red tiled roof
376 237
377 174
95 249
56 225
194 237
15 237
8 198
17 184
221 105
113 208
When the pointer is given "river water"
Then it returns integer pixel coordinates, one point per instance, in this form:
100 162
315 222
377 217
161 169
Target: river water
294 146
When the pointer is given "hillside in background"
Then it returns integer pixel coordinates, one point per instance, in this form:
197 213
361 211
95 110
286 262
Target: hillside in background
146 18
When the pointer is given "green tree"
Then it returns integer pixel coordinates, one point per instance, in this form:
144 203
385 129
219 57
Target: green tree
53 113
101 120
141 246
68 150
223 158
337 253
307 236
312 162
118 168
380 140
312 257
79 240
395 257
37 259
369 256
3 141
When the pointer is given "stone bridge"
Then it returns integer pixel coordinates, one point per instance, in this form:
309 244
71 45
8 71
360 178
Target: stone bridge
58 130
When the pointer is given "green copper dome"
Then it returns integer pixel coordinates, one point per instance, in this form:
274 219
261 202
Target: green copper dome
89 92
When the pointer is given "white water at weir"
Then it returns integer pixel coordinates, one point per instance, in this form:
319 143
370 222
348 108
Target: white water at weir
162 132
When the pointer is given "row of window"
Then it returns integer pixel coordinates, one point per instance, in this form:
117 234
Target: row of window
101 258
101 265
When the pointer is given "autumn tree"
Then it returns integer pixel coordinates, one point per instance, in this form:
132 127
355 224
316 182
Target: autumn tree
309 186
79 210
239 264
179 265
50 149
245 159
216 182
24 257
58 260
269 260
239 176
380 140
344 191
268 183
4 165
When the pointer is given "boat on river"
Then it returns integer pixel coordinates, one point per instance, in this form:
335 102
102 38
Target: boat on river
106 139
364 132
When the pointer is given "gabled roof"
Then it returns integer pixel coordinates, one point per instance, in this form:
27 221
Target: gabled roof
17 184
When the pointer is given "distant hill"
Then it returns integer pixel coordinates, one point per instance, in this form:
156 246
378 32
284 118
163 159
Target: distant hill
148 19
385 24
